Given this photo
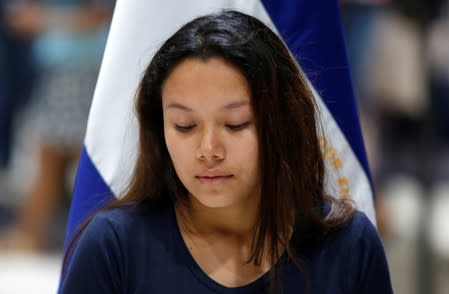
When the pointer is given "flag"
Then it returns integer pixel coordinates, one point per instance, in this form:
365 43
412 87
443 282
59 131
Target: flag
311 30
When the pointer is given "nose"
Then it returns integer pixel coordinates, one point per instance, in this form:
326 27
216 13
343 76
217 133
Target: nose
211 147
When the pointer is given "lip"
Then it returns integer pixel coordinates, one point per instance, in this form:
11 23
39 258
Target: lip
213 179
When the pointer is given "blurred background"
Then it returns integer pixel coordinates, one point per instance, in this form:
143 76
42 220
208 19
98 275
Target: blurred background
399 56
50 54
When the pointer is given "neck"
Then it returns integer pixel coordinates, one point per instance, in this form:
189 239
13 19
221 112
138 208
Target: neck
237 221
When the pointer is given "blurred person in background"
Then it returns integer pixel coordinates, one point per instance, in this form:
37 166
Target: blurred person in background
386 46
69 41
401 74
360 18
16 77
387 52
438 57
399 89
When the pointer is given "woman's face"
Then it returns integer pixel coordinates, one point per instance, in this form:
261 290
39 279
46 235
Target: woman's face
210 132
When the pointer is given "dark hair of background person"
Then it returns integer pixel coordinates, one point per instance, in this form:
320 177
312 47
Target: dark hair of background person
291 162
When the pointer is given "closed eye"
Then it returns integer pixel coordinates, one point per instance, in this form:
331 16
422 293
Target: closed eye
184 129
238 127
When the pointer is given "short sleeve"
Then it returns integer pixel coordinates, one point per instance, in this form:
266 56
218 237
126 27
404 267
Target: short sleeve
374 276
94 267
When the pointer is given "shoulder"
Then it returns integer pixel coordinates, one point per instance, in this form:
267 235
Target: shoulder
355 233
351 258
124 220
116 243
354 240
361 249
109 229
98 256
359 229
117 229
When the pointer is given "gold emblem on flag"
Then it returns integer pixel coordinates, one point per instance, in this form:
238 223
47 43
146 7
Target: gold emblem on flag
331 156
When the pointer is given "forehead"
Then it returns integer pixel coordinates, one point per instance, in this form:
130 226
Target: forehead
203 83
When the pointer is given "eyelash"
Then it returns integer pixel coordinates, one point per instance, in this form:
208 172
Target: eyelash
185 129
238 127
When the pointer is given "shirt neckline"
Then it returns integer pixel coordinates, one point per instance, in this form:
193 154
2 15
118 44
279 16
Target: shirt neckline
259 284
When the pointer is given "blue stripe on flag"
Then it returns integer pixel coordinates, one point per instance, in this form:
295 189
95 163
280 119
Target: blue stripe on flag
312 30
90 193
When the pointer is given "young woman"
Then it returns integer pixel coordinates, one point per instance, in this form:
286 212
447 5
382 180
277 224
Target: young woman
227 195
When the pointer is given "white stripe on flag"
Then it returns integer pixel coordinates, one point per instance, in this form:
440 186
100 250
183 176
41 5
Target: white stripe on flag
345 176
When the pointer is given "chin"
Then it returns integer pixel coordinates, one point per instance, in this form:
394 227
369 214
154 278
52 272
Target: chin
214 201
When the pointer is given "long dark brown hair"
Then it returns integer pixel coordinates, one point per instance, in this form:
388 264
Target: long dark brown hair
291 162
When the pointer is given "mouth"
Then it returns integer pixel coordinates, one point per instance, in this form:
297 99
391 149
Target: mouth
213 180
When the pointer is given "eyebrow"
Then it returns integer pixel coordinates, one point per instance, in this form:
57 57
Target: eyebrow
231 105
234 105
178 106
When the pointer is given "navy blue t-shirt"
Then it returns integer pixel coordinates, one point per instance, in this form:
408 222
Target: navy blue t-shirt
136 251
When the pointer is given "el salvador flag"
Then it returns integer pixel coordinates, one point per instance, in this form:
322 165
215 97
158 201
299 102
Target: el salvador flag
312 31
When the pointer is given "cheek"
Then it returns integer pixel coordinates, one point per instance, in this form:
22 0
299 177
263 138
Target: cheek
179 152
249 155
